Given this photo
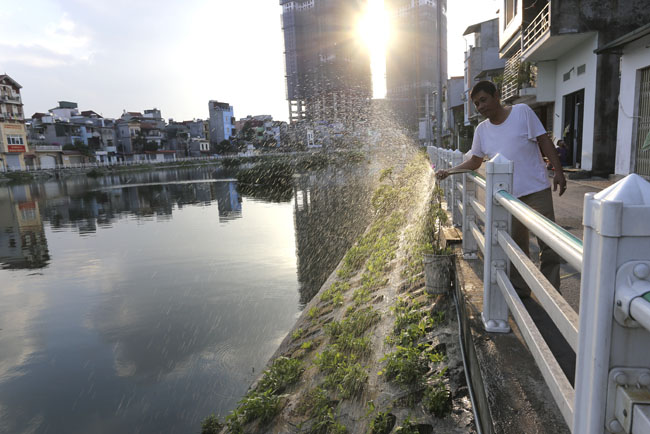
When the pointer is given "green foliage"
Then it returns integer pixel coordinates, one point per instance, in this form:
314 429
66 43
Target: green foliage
313 312
297 334
282 373
383 423
437 399
262 406
407 427
386 174
343 373
335 293
307 345
405 366
346 335
263 403
211 425
321 409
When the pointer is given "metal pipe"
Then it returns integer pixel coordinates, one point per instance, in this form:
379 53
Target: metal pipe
640 312
562 314
470 389
478 236
559 239
479 209
478 179
557 382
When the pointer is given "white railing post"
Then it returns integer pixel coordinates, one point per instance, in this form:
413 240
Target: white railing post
449 180
470 247
613 357
431 152
456 217
495 309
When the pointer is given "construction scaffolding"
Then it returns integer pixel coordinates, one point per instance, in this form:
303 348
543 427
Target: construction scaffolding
327 68
416 62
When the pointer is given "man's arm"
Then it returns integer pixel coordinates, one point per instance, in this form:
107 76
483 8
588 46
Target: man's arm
472 164
548 150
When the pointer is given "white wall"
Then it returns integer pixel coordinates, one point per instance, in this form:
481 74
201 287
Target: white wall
583 54
546 74
636 56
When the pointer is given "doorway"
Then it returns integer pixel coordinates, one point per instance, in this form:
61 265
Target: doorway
574 104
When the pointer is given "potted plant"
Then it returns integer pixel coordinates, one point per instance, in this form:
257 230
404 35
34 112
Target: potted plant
438 258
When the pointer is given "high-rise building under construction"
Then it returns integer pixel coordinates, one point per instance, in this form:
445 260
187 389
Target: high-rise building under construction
327 67
416 63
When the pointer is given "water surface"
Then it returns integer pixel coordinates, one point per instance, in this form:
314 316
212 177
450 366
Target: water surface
144 302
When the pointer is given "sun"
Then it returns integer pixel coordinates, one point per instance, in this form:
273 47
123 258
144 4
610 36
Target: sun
374 30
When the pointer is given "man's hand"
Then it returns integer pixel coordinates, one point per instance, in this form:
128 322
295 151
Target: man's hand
441 174
559 179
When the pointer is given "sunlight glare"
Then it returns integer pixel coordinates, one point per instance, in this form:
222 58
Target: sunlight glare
374 30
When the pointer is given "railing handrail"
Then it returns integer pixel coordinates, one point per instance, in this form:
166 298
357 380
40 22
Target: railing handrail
537 27
614 263
563 242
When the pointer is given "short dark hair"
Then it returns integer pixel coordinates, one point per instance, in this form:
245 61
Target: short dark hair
485 86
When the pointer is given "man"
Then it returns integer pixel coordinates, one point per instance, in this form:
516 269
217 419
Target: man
516 133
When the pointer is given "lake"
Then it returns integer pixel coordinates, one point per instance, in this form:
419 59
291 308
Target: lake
143 302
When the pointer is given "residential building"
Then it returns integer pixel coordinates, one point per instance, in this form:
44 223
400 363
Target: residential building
482 62
550 62
47 154
199 147
13 136
127 130
456 135
633 129
416 64
178 138
222 122
327 67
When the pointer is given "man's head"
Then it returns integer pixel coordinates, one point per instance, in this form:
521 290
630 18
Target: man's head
485 97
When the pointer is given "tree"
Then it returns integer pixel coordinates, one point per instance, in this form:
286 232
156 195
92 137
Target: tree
225 147
247 131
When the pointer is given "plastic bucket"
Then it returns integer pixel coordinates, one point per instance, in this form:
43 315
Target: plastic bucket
437 273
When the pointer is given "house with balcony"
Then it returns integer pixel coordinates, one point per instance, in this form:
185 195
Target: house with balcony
551 65
13 136
633 129
482 62
127 133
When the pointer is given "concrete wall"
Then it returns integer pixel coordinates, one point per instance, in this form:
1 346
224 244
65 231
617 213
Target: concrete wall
581 55
636 56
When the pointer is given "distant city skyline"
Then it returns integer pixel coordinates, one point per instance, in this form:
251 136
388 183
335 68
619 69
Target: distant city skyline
119 55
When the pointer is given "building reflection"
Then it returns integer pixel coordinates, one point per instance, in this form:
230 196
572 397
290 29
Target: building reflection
323 205
22 237
80 205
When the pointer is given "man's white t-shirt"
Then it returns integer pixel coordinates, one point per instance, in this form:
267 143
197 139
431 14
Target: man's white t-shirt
516 140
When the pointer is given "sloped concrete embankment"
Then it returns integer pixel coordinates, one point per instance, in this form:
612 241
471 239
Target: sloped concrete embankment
372 352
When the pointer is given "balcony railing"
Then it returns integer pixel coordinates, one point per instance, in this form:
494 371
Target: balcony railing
47 148
611 333
511 77
8 98
540 25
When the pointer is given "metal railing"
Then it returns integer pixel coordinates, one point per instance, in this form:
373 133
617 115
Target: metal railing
510 84
611 335
537 28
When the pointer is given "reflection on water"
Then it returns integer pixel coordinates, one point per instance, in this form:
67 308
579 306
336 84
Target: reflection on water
144 302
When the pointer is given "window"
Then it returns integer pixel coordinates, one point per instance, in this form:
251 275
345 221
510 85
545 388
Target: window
582 69
510 7
15 140
567 76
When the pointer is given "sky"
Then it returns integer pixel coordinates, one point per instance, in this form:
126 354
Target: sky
111 56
